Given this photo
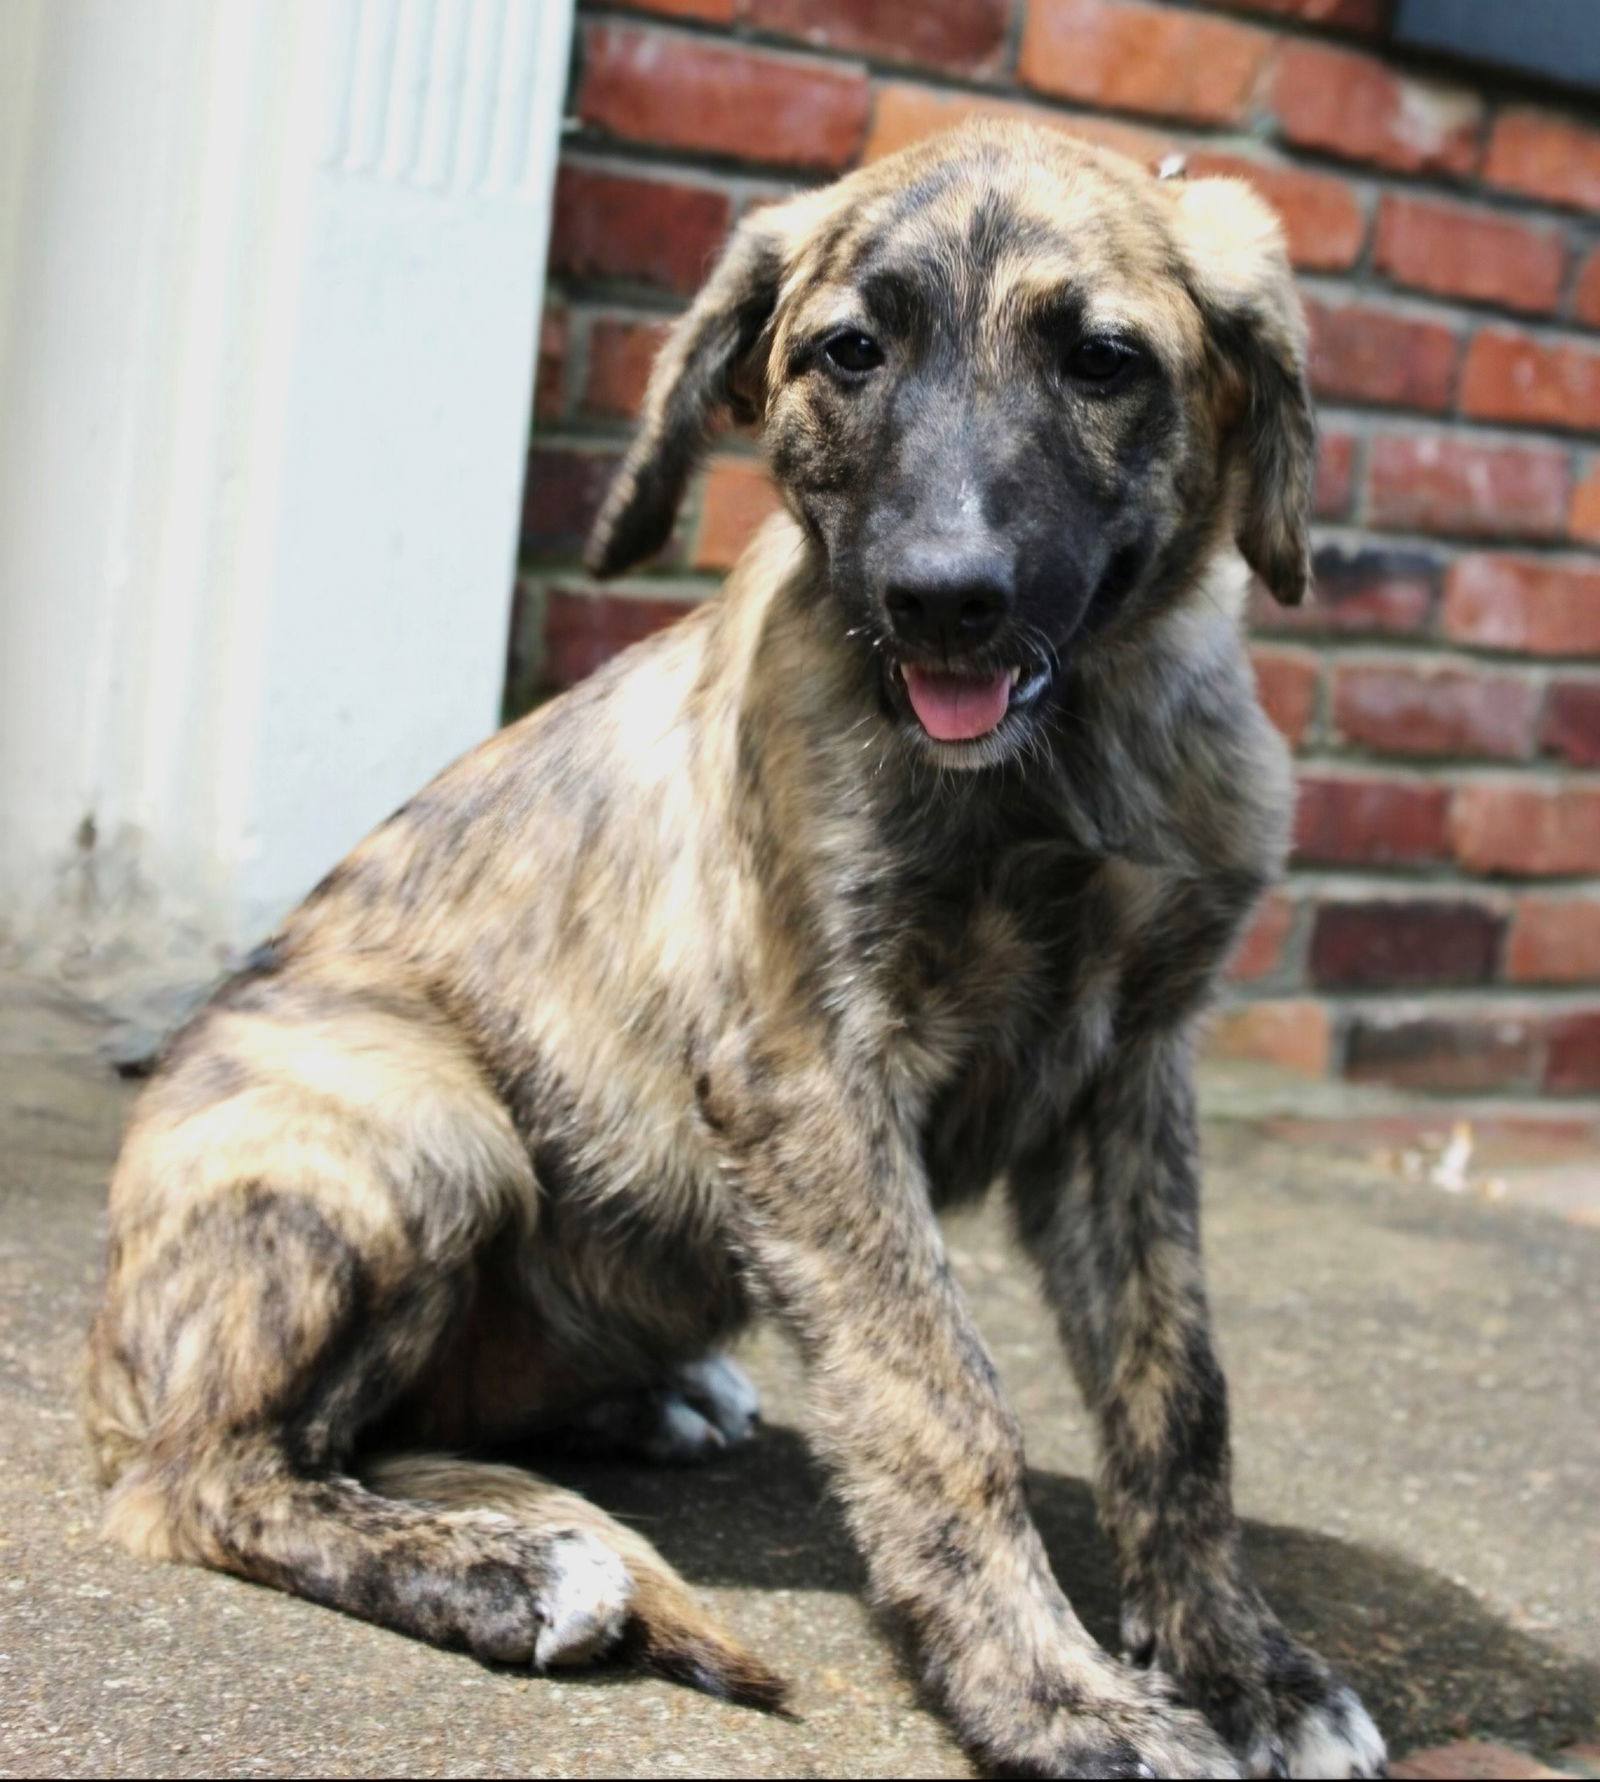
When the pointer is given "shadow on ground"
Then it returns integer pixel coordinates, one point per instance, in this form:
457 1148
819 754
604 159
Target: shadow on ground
1428 1659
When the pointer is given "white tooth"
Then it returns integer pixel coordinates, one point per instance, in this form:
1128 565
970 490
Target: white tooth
1016 675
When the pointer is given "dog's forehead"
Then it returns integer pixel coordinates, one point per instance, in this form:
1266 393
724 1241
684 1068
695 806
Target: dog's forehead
984 219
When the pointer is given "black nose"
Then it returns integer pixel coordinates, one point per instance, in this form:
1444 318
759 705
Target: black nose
949 604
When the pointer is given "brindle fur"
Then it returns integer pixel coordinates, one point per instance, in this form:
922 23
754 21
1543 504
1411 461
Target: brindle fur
701 990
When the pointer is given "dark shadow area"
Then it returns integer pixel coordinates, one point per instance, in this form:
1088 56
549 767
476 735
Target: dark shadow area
1431 1662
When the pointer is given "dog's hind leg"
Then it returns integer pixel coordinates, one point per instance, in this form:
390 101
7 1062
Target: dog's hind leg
246 1471
296 1223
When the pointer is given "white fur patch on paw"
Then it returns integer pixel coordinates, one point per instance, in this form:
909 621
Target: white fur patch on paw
722 1392
1336 1738
584 1600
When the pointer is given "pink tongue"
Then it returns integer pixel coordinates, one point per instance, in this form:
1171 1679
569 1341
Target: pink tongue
957 707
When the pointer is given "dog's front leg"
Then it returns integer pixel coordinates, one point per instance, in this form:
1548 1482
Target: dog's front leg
1118 1239
907 1412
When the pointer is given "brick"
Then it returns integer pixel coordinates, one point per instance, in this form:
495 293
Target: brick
1554 940
1323 219
1296 1034
550 377
1131 56
738 497
1361 353
1262 950
584 628
1368 18
1336 475
616 225
1470 1760
1360 590
620 356
1456 1054
1527 828
682 92
1544 156
1573 1063
1415 941
1346 820
560 499
1583 516
1586 293
1571 726
1512 377
904 113
711 12
1457 250
1287 683
964 36
1436 482
1399 710
1533 605
1352 106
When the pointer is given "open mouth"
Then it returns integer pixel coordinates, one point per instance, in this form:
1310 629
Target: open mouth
956 707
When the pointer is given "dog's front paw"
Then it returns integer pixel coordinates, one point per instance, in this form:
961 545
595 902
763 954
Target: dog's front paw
1285 1715
1155 1741
1275 1703
1140 1732
1306 1723
1331 1737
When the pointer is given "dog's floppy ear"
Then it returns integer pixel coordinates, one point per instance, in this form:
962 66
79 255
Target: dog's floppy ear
1239 273
709 363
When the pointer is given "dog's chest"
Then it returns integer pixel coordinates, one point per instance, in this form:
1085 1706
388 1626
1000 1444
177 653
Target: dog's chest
1013 969
997 1009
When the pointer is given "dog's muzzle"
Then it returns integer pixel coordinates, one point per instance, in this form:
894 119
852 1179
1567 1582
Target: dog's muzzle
946 610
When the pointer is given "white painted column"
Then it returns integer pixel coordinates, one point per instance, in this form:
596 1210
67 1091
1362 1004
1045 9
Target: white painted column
270 278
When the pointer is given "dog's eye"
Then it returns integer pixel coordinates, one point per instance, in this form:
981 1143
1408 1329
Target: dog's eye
853 352
1098 359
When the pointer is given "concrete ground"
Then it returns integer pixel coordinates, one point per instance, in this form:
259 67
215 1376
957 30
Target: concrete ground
1418 1461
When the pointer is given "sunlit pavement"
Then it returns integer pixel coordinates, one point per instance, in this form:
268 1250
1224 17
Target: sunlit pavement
1413 1373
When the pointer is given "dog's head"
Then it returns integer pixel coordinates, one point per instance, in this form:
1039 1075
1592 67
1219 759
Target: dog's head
1018 391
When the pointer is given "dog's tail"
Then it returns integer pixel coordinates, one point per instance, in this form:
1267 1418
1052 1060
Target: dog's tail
668 1630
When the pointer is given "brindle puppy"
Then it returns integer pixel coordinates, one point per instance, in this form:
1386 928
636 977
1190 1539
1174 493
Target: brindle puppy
905 866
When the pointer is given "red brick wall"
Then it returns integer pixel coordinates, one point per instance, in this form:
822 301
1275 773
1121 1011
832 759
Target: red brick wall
1441 926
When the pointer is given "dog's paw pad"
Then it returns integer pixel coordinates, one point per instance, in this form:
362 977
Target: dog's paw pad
1334 1737
584 1600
